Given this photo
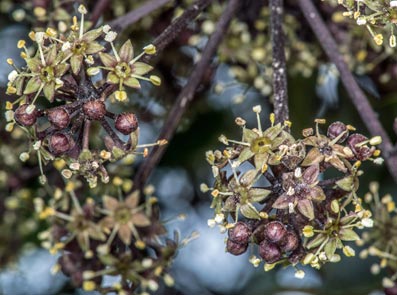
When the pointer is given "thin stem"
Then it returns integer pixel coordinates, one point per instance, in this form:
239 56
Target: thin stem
99 8
187 93
174 29
86 134
360 101
281 110
135 15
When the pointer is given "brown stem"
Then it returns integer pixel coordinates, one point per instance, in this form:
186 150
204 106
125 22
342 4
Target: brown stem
86 134
128 19
173 30
99 8
186 95
360 101
280 91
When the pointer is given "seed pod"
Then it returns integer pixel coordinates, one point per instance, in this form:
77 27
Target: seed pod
269 252
336 129
275 231
94 109
23 118
240 233
59 118
361 152
290 242
126 123
235 248
60 143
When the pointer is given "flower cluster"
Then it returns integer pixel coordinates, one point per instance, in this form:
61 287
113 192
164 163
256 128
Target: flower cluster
247 47
372 15
120 237
271 192
381 241
62 71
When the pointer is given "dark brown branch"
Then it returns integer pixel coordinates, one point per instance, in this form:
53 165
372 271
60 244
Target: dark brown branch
86 134
99 8
281 110
174 29
186 95
360 101
128 19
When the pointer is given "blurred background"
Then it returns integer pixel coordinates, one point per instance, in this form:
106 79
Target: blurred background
202 267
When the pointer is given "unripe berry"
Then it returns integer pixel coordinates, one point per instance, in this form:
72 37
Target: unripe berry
126 123
335 129
240 233
361 152
23 118
275 231
290 242
269 252
59 118
94 109
60 143
235 248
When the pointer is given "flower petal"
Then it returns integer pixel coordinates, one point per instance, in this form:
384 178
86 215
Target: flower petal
313 157
51 55
33 85
75 62
112 78
306 208
126 51
34 64
132 200
311 173
110 203
140 219
283 201
124 234
132 82
107 59
49 91
141 68
92 35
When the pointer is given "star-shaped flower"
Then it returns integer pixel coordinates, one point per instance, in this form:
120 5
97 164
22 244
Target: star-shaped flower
124 216
301 190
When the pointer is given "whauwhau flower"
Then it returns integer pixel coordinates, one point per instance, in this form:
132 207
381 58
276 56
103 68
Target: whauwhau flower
123 217
124 69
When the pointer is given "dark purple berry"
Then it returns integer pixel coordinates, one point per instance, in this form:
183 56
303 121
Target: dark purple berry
290 242
275 231
240 233
361 152
59 118
126 123
94 109
336 129
236 248
60 143
23 118
269 252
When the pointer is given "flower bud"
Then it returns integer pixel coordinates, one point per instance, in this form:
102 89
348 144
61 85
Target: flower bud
361 151
336 129
126 123
240 233
23 117
275 231
59 118
60 143
94 109
290 242
269 252
235 248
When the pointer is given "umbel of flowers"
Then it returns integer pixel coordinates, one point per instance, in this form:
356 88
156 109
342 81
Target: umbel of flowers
381 241
272 194
61 70
110 235
374 15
